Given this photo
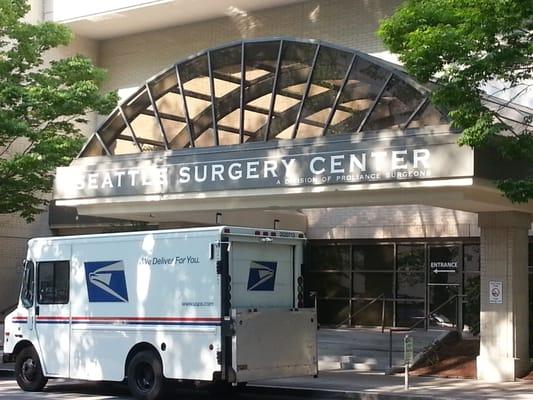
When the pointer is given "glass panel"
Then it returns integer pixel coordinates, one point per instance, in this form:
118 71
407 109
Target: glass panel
148 132
197 86
121 146
226 64
371 315
395 107
444 264
295 68
372 284
446 315
332 312
28 285
330 69
328 284
410 285
429 116
471 257
411 258
409 313
93 148
53 282
364 83
331 257
114 126
471 306
375 257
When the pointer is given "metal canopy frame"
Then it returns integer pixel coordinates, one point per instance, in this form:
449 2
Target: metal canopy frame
285 89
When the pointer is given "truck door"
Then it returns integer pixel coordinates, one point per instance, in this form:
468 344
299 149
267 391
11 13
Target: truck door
52 316
262 275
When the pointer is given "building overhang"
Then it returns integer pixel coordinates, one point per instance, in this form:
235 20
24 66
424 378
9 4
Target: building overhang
279 124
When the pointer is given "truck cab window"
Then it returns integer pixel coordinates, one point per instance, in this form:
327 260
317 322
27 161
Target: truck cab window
53 282
26 295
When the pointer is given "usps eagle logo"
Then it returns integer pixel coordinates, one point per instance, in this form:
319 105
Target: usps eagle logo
262 276
106 281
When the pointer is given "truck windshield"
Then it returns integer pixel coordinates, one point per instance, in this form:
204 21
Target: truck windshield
26 295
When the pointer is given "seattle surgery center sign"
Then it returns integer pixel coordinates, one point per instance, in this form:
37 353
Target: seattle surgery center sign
255 168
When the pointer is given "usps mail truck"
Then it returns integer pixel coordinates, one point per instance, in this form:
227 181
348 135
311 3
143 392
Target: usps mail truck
219 304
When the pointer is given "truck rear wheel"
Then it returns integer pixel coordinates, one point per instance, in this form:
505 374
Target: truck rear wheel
28 371
145 376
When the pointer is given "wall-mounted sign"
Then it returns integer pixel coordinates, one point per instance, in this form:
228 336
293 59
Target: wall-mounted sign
258 166
495 292
443 266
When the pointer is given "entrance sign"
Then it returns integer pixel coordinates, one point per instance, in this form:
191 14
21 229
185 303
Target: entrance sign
495 292
324 162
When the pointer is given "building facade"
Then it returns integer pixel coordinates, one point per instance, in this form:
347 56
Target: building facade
369 264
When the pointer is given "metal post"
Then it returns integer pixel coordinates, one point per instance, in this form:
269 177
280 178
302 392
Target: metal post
383 315
406 377
390 349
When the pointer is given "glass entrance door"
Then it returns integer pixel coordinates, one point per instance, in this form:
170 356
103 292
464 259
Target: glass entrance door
444 280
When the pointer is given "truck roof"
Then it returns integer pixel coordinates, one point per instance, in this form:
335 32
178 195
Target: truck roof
226 229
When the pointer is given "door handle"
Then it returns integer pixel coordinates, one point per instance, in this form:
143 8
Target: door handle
36 310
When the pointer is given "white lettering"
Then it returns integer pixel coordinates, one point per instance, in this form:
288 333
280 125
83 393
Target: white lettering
185 175
270 168
235 171
380 157
119 175
251 170
93 181
216 171
312 165
421 156
355 162
287 164
133 173
197 177
107 180
146 177
336 164
397 158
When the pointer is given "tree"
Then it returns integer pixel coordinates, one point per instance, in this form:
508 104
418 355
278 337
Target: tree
461 45
42 107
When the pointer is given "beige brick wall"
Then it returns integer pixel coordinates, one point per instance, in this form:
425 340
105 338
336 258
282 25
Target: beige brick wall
380 222
14 234
352 23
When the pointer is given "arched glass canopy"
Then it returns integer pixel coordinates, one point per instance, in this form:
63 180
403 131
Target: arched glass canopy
264 90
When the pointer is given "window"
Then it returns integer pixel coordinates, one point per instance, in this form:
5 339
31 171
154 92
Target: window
53 282
26 295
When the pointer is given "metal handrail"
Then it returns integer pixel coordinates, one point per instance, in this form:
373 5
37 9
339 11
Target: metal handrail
423 319
381 296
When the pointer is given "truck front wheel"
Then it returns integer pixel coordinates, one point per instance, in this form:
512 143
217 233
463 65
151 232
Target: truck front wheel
145 376
28 371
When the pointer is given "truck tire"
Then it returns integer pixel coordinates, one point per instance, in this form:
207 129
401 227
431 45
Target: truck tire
28 370
145 376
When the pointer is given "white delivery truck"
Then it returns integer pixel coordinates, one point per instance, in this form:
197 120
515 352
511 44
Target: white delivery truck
204 304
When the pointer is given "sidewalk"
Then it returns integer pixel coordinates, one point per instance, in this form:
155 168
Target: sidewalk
375 386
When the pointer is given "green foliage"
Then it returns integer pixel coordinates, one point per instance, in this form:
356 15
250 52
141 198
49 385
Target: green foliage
41 108
462 45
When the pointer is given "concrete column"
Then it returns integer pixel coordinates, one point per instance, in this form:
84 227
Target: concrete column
504 346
